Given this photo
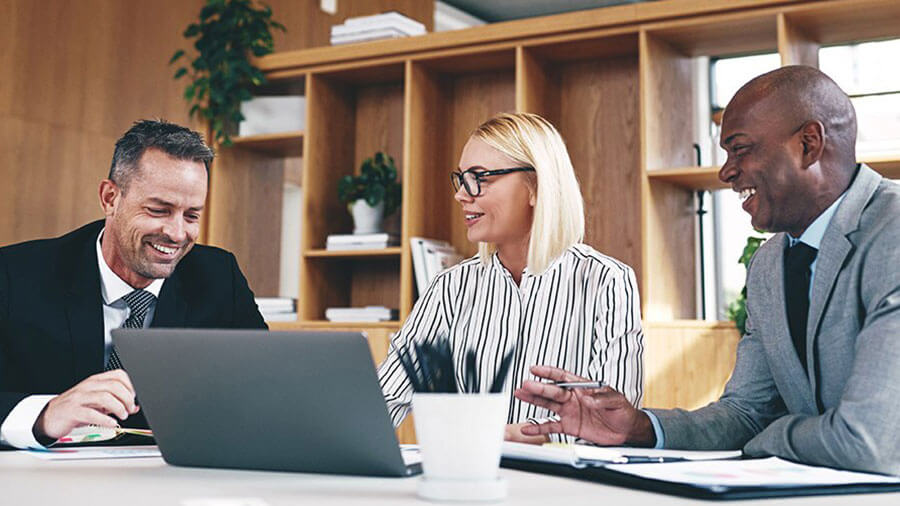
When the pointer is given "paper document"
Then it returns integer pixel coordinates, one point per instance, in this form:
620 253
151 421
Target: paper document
95 452
411 454
769 472
580 455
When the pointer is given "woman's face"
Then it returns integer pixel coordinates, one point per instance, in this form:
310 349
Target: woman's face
503 212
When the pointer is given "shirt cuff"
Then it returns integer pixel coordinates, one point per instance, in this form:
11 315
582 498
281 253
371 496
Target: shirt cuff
657 429
17 429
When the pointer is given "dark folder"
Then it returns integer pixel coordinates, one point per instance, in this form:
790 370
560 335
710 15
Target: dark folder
718 493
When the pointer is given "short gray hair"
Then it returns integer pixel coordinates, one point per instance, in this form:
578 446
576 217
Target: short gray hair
174 140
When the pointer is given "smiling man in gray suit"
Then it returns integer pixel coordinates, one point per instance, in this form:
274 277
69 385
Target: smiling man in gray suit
817 378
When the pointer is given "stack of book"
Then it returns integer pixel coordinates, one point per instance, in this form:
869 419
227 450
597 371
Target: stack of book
361 314
277 309
389 25
430 257
341 242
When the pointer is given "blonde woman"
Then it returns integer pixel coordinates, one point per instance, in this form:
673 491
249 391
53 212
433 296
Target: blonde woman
534 286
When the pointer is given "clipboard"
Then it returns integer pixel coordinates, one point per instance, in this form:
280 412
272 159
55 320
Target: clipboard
616 478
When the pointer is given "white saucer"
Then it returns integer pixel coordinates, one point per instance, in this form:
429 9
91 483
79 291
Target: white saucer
462 490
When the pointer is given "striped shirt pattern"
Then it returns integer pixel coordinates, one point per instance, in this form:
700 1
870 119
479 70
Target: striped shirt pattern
582 314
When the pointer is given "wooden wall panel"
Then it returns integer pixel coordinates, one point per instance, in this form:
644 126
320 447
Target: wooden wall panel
243 179
687 364
598 118
379 127
475 98
69 89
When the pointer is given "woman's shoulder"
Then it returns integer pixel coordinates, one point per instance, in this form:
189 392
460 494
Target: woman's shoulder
464 268
581 253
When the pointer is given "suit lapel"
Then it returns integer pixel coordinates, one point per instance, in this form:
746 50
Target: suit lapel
171 309
836 246
794 379
84 311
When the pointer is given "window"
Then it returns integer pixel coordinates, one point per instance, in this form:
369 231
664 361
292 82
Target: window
867 72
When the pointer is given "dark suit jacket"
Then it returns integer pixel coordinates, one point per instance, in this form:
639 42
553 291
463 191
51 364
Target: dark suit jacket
51 310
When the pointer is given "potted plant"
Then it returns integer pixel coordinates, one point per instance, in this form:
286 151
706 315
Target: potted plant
372 195
737 310
221 75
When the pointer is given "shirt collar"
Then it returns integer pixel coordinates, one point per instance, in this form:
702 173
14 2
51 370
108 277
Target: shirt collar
112 287
814 233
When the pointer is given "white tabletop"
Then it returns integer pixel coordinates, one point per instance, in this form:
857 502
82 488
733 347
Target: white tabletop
25 479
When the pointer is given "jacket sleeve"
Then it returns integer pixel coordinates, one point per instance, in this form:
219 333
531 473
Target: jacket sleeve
246 313
750 402
8 399
860 432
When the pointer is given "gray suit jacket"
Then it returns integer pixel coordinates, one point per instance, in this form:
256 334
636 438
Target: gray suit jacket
845 411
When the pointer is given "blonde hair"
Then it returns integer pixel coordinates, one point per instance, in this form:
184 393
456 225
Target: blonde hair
558 221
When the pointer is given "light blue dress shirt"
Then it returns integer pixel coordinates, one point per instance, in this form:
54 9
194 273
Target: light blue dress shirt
812 236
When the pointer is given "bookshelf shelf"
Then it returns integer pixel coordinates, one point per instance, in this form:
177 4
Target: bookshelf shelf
886 165
287 144
363 253
325 324
691 178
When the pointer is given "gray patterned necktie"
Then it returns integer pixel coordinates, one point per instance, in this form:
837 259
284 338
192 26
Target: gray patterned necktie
139 302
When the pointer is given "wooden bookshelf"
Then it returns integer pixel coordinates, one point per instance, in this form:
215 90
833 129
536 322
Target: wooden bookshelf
281 144
691 178
619 84
363 253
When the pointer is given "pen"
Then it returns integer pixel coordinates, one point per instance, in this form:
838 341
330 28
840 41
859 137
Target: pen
580 384
641 459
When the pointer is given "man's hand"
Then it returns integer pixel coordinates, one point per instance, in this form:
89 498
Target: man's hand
603 416
514 433
88 403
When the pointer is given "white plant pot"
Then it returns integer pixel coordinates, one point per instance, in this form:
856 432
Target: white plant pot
461 438
366 219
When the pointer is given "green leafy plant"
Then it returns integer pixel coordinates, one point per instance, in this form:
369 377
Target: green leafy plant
737 310
376 182
228 33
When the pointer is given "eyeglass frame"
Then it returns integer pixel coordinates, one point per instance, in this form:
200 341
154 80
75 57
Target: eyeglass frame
457 178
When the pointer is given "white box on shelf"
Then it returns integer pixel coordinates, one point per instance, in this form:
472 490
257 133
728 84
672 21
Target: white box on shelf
273 115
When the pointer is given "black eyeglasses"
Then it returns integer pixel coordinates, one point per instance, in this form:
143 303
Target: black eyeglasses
471 178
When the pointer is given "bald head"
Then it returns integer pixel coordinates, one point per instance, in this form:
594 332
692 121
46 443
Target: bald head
792 95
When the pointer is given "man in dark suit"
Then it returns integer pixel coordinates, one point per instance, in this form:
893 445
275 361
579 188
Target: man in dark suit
137 268
817 376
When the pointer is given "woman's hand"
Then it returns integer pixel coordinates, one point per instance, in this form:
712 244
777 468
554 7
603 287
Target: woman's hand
514 433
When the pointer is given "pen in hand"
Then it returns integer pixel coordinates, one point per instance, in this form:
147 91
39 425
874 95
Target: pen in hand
580 384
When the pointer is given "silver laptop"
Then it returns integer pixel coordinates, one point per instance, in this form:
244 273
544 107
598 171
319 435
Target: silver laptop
249 399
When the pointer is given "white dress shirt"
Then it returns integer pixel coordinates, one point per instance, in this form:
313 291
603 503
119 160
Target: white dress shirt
16 430
582 314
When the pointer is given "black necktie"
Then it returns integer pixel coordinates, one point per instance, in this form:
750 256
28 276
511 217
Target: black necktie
139 302
797 260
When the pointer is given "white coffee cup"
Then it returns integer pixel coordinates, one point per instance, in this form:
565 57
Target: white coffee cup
461 438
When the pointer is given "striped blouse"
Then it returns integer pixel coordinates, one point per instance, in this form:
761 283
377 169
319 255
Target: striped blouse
582 314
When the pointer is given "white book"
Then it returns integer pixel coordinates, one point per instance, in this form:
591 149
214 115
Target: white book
358 246
430 257
276 304
345 30
380 34
361 238
378 19
361 311
279 317
361 314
